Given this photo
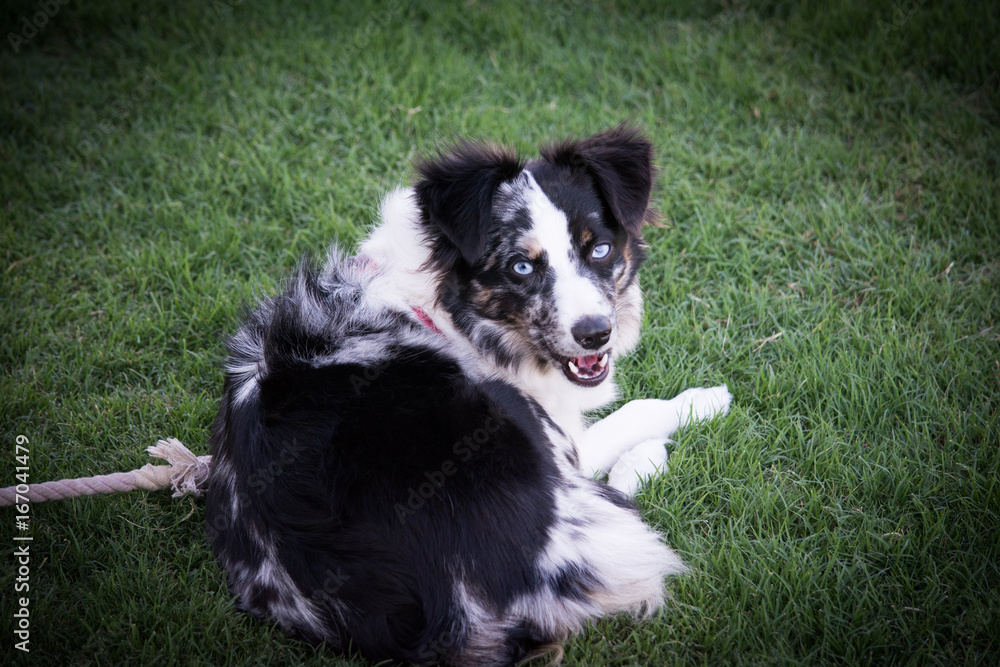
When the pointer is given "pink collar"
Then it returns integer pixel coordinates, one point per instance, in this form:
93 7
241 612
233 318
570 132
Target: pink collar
426 320
368 264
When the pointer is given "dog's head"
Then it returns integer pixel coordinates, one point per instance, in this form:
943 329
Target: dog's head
539 260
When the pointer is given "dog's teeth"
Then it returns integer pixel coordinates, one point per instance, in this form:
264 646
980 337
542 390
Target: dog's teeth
603 361
573 367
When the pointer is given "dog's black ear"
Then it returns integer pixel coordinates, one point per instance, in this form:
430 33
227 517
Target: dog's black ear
620 161
456 190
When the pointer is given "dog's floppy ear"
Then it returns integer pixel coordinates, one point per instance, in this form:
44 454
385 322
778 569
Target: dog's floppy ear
620 161
456 191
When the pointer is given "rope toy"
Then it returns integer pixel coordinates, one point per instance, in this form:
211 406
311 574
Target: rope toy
185 473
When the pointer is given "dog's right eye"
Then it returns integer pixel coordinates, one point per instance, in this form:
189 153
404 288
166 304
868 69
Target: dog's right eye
523 268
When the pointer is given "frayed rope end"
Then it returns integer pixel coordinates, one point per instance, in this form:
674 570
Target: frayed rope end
188 473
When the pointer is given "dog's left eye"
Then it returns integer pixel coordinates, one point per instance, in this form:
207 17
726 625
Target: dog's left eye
600 251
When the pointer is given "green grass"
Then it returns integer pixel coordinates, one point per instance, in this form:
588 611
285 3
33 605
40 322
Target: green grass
829 177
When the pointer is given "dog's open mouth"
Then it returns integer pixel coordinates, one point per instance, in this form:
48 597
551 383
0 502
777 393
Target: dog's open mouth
587 371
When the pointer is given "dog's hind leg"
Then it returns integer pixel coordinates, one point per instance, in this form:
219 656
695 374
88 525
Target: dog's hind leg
645 420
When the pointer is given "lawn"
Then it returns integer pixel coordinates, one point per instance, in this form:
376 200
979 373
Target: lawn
830 180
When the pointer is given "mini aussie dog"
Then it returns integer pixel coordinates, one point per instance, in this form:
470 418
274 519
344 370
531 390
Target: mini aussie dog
401 462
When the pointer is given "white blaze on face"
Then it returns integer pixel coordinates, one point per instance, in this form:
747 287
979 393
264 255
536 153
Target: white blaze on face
575 296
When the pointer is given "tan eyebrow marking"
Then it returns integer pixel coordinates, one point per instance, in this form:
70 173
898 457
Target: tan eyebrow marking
532 247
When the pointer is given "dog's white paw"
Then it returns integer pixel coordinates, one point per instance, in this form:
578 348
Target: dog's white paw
638 464
701 403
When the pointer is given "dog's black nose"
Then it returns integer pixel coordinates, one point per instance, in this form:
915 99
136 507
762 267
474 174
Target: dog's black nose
592 332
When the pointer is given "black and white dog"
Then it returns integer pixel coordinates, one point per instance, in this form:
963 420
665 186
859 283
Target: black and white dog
401 463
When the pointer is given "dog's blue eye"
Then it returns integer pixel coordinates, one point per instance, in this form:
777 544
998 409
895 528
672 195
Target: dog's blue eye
523 268
600 251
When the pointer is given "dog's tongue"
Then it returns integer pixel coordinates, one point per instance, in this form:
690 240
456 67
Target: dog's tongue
588 363
589 369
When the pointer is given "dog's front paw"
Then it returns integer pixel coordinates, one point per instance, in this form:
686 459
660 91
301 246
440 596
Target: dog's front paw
638 464
701 403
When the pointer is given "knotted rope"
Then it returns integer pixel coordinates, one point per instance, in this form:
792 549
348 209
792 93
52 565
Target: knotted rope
185 473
